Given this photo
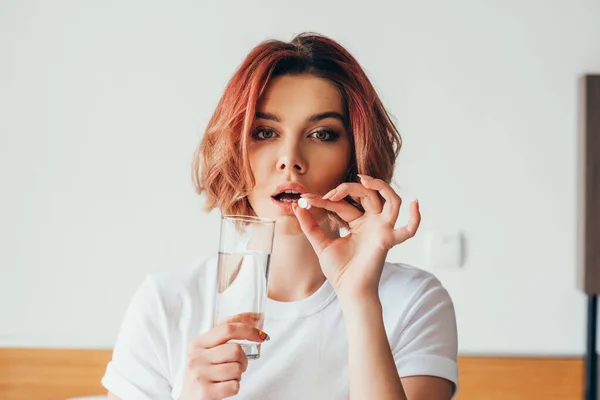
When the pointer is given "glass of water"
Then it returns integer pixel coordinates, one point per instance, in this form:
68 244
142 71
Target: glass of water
245 247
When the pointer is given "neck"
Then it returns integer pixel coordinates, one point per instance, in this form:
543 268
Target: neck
295 272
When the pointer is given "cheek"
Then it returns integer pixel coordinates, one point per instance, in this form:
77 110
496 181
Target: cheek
333 172
332 165
258 163
259 166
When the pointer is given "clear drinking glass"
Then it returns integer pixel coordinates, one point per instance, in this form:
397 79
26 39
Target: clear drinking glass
245 247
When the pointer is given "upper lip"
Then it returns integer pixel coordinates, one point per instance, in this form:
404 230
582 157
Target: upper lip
291 185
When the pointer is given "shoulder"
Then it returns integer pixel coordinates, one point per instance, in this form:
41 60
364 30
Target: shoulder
420 321
155 329
186 278
407 291
403 279
171 291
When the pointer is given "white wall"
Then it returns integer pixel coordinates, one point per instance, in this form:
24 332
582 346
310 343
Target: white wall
102 105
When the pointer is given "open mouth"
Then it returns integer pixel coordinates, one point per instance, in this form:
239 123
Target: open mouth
288 196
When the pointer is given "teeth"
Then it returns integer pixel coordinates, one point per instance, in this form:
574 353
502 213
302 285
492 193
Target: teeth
290 192
287 201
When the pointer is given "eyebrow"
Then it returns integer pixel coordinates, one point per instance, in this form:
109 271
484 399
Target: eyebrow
312 118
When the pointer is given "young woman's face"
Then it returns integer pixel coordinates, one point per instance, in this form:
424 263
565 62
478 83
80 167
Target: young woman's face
299 144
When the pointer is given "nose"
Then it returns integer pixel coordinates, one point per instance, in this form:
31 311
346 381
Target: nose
291 159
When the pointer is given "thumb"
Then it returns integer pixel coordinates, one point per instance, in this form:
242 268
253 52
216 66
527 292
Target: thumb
315 235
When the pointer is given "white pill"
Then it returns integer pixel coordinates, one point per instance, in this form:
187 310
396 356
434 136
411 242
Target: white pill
303 203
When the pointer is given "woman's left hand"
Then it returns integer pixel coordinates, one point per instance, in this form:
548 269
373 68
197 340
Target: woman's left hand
353 263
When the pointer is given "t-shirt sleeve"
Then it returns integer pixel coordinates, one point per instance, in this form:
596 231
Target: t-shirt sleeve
139 365
428 345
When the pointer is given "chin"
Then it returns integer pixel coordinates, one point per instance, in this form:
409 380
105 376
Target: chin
287 225
286 222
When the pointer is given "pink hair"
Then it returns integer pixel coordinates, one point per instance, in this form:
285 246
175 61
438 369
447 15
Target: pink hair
221 167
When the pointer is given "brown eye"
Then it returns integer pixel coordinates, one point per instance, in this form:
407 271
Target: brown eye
325 135
263 134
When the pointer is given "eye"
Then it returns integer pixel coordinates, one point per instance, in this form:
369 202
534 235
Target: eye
325 135
263 134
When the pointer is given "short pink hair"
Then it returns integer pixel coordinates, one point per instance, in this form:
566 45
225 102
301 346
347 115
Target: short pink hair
221 168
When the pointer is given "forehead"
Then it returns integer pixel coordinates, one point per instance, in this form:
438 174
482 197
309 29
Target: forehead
291 95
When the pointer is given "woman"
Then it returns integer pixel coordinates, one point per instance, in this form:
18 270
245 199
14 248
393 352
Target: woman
298 119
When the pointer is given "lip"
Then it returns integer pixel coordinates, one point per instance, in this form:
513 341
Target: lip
286 208
289 185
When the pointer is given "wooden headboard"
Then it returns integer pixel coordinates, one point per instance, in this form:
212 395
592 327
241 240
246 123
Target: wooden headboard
52 374
56 374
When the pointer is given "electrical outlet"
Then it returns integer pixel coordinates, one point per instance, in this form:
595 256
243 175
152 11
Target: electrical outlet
444 250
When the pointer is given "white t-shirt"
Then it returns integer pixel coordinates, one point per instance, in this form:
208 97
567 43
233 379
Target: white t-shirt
307 356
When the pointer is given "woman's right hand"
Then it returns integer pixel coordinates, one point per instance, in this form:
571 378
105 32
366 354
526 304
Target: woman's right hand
214 367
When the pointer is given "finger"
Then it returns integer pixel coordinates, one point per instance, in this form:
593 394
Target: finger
367 197
226 353
230 331
408 231
346 211
315 235
221 390
391 207
202 360
224 372
249 318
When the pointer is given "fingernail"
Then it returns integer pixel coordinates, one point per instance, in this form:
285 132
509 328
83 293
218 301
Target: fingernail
365 177
263 336
294 206
308 195
328 195
416 200
303 203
